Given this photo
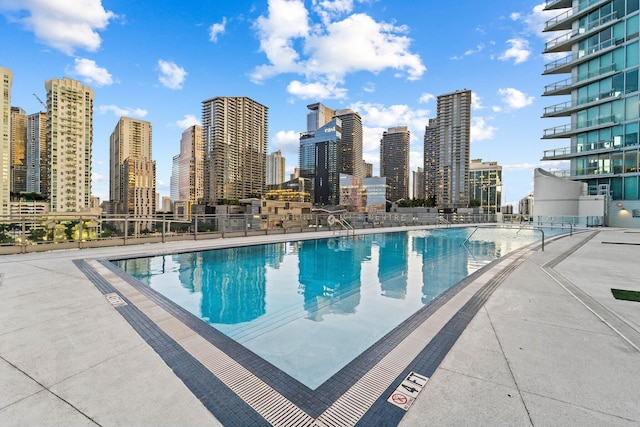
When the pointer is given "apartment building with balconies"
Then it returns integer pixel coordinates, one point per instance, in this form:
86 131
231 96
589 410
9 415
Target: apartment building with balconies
596 55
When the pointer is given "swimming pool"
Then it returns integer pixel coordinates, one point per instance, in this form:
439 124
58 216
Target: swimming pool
310 307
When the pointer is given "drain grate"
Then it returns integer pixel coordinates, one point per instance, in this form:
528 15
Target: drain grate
115 300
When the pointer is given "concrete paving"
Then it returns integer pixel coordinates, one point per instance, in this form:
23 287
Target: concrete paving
550 347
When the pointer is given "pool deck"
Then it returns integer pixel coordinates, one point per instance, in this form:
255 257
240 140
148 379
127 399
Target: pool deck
549 346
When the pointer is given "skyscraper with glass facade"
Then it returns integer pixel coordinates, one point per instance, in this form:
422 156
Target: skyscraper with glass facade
319 160
599 52
394 162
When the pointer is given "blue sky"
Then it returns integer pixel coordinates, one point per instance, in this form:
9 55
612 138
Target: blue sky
387 59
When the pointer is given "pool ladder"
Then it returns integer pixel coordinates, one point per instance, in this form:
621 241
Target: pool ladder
345 226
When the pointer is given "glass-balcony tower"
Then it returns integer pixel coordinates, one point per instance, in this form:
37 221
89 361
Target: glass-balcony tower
598 47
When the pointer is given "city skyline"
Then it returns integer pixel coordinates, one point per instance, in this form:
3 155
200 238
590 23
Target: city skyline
284 55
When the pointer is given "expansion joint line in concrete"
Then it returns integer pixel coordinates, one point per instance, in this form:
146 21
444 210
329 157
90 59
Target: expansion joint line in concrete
513 377
48 390
618 325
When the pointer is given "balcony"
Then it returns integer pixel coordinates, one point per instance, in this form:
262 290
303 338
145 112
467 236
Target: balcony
564 65
557 4
581 150
565 41
569 129
565 19
565 109
564 87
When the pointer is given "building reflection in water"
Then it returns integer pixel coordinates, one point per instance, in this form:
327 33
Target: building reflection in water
233 284
329 275
393 264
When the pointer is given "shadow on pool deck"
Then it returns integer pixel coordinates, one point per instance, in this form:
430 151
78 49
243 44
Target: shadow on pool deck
551 346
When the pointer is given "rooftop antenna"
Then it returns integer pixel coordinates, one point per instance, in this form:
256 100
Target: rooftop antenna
40 101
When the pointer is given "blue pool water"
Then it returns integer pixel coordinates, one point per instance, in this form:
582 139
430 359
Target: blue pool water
310 307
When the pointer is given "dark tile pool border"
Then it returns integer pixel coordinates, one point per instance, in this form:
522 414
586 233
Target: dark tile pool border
231 410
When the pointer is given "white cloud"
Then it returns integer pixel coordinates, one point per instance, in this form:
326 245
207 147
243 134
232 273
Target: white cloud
188 121
479 48
535 21
287 20
119 112
332 9
216 29
369 87
292 46
426 97
519 51
91 73
62 24
481 130
316 90
96 177
374 46
286 141
171 75
514 98
476 102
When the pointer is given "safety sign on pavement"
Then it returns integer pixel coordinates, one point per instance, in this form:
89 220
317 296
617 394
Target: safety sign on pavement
405 394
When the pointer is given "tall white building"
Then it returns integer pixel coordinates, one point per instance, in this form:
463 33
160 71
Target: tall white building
70 140
191 166
132 171
6 80
275 168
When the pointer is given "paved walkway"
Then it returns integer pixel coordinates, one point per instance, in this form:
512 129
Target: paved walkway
550 347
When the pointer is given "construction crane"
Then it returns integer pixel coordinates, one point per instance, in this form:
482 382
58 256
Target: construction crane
40 101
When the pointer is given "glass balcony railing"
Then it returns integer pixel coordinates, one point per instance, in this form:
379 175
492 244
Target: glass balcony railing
585 4
557 4
580 149
567 37
565 130
580 56
569 105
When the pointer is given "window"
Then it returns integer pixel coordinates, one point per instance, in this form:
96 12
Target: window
631 81
632 54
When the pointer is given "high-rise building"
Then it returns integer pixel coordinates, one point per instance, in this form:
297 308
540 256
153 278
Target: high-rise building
351 145
485 185
37 154
18 150
6 79
394 162
318 116
452 149
275 168
174 181
430 146
191 170
69 140
132 170
319 160
599 62
418 184
234 131
368 169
